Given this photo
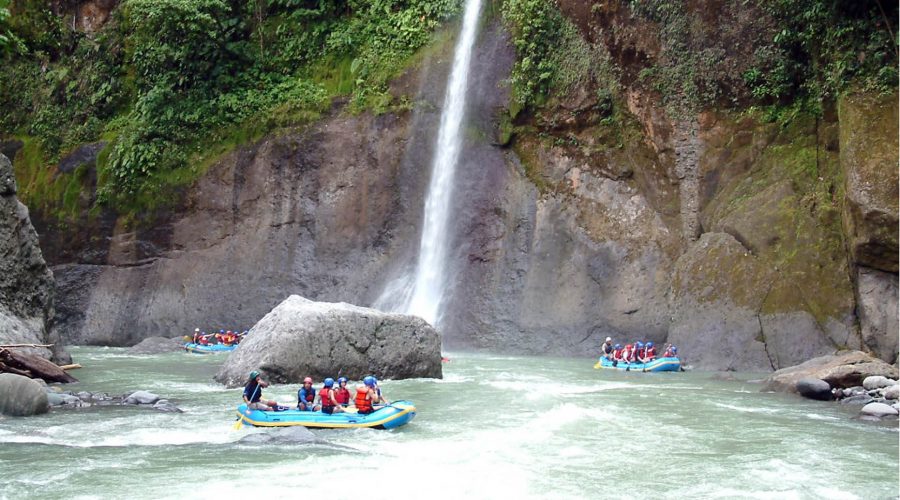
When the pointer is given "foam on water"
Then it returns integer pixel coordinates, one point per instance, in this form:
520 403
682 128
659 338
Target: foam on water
693 438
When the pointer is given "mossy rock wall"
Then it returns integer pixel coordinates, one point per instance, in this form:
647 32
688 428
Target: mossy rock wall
869 161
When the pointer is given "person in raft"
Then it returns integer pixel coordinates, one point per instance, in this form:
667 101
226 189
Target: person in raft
606 350
379 399
649 353
326 397
342 394
306 396
366 397
253 394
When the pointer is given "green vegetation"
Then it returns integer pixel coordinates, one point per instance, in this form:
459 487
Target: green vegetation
816 51
170 83
553 57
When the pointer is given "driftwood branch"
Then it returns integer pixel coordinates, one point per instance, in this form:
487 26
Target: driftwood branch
32 366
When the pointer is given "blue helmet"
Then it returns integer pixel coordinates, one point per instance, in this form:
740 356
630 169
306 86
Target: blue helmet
618 346
639 345
329 382
369 381
674 350
342 380
649 345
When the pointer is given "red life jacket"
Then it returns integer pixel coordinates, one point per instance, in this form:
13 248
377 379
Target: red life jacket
651 353
641 353
362 399
669 353
617 354
342 395
628 353
325 398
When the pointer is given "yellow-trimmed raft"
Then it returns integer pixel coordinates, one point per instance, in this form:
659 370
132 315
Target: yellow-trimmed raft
390 416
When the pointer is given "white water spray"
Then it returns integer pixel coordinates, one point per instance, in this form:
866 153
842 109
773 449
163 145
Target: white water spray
423 293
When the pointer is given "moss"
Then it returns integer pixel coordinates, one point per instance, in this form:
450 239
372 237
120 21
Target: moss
526 151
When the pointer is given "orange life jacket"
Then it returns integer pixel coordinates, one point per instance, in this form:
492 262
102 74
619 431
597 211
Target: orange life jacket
363 404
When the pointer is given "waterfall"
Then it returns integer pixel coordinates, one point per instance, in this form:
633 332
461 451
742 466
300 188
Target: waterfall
422 294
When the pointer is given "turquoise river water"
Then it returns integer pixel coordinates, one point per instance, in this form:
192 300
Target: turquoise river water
493 427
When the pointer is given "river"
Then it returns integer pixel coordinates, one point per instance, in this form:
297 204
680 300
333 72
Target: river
494 427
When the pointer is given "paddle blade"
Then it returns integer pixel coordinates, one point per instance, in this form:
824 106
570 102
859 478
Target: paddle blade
239 424
597 365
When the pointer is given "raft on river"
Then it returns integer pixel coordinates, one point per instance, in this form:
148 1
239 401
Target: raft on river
207 349
657 365
388 417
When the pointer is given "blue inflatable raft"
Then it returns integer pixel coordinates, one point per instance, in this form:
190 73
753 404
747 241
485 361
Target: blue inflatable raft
207 349
393 415
657 365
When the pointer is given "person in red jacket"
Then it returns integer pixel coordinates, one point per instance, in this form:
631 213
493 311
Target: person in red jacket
649 353
617 353
342 394
628 353
326 397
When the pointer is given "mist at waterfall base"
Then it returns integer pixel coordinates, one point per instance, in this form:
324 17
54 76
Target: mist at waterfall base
494 427
422 292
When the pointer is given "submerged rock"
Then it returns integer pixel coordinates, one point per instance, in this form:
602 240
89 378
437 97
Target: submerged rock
21 396
283 435
157 345
302 338
141 398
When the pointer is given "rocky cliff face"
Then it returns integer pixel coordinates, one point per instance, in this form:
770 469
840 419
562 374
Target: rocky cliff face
753 247
26 284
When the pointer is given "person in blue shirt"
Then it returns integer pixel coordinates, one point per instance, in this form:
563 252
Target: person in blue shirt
306 396
253 394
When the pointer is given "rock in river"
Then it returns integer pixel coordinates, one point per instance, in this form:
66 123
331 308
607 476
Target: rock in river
302 338
21 396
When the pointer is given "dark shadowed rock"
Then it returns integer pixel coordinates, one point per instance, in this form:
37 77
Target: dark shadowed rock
157 345
814 388
26 283
21 396
319 339
846 369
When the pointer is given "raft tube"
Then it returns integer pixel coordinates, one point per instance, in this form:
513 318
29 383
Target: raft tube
207 349
657 365
389 417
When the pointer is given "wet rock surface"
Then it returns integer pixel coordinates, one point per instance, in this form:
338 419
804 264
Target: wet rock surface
60 399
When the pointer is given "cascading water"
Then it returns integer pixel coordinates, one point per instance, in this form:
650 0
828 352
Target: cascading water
422 294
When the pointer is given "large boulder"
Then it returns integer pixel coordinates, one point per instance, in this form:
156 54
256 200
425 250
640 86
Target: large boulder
846 369
302 338
21 396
